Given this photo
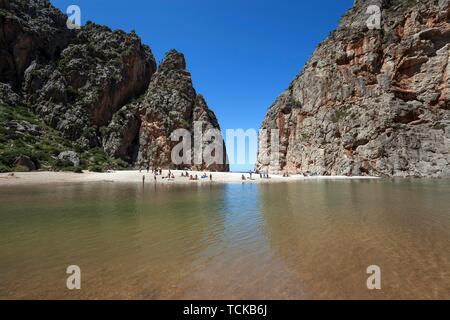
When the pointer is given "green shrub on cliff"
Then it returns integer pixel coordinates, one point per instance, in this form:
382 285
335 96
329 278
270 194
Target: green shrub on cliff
43 145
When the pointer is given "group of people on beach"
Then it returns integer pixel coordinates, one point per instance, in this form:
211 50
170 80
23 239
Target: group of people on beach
195 177
170 176
190 176
264 175
155 171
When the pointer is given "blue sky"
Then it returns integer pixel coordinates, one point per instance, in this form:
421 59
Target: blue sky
241 53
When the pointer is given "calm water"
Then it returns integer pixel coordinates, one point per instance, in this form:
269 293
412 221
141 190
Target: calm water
306 240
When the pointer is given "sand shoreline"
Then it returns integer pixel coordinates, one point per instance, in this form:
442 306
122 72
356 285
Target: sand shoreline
38 178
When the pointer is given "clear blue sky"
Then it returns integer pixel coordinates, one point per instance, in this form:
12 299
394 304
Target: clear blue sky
241 53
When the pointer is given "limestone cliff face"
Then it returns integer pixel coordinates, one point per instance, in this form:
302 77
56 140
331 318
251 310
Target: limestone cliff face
96 74
172 103
370 102
96 86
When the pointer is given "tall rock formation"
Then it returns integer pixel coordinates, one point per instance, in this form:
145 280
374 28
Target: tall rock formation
172 103
370 102
96 86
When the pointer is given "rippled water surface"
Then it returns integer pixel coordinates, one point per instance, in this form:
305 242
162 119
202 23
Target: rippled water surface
305 240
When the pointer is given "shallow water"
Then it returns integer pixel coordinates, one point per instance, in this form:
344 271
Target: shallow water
305 240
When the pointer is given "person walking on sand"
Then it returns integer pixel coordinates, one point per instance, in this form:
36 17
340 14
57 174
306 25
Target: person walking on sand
154 177
143 179
210 177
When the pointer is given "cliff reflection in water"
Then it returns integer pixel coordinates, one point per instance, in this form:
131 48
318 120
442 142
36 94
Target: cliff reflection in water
329 232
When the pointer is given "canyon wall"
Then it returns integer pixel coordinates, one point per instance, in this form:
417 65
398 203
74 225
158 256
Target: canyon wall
369 101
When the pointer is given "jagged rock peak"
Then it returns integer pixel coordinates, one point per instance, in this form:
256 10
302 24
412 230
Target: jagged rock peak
172 103
173 60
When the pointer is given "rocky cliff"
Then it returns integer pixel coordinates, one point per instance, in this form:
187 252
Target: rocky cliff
370 101
94 76
171 103
30 30
97 87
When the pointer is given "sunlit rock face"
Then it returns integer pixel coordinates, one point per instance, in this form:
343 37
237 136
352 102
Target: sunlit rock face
370 101
171 103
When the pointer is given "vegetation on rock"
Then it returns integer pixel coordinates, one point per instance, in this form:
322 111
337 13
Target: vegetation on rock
23 134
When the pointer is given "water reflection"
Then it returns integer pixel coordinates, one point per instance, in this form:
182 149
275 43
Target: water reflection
338 229
311 239
124 239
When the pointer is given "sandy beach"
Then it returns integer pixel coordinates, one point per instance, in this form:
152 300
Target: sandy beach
36 178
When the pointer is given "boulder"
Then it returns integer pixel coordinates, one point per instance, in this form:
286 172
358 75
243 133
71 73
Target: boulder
70 156
25 163
22 126
8 96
